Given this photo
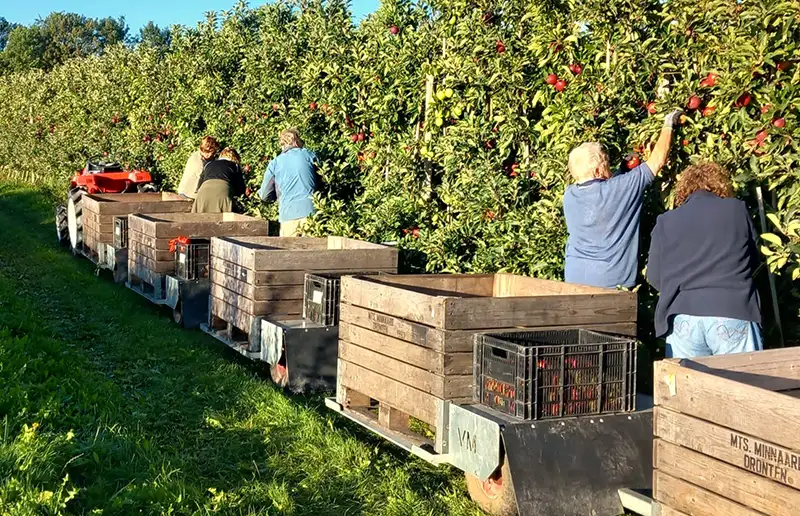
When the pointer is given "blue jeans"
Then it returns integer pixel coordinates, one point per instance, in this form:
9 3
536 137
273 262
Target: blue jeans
695 336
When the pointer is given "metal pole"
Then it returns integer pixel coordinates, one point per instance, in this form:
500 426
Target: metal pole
772 287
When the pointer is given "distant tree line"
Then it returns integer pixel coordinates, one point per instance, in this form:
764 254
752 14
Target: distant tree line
61 36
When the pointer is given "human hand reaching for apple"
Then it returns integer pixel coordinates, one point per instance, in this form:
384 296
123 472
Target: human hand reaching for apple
672 119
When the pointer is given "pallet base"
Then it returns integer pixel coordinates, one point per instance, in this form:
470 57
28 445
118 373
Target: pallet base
224 336
152 292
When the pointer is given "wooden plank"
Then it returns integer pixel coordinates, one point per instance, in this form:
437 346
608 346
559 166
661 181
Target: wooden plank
265 293
761 368
512 285
261 278
477 313
444 341
725 480
286 307
231 251
443 387
157 267
684 498
125 204
424 358
350 398
408 399
362 259
162 244
741 407
150 253
238 225
480 313
232 314
392 418
741 450
663 510
140 224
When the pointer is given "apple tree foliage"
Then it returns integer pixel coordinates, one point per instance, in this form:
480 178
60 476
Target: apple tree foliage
436 121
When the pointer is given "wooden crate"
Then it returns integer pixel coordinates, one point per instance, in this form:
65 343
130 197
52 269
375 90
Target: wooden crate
99 211
406 341
255 277
149 255
727 432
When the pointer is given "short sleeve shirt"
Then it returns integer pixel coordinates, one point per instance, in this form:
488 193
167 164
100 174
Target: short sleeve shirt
603 229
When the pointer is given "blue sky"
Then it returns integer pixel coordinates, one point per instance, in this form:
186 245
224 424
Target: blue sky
139 12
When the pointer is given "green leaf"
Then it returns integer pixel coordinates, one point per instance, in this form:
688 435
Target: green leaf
772 238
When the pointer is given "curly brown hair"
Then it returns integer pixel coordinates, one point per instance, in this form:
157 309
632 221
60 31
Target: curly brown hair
710 177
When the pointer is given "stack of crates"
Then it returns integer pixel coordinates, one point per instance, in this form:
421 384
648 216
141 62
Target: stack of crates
192 260
555 373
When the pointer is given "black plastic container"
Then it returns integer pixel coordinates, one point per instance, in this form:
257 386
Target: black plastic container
120 232
321 299
192 260
555 373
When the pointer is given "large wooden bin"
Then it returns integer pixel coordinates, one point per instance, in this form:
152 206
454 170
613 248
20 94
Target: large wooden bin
727 434
407 341
149 255
256 277
99 211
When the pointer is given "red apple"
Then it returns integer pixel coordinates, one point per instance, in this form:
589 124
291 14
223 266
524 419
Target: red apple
743 100
685 142
354 138
765 108
551 79
634 162
500 47
576 68
651 108
394 30
694 102
780 123
761 135
312 106
784 65
709 110
561 85
415 232
361 137
246 169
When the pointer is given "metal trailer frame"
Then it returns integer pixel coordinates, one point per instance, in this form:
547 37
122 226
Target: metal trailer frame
566 466
188 300
114 260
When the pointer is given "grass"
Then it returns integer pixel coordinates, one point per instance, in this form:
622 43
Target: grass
106 407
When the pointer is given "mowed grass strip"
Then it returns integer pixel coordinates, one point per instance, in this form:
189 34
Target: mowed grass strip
107 407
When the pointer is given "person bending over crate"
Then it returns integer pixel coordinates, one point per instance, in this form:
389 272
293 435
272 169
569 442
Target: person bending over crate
209 148
291 179
703 255
220 182
602 213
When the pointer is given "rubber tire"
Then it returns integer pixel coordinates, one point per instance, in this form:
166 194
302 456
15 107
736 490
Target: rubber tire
75 220
62 232
499 499
177 314
279 374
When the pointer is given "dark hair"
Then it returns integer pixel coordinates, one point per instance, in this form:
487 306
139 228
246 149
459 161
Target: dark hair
710 177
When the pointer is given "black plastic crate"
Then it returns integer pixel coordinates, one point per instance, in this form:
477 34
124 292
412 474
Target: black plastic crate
555 373
120 232
191 260
321 299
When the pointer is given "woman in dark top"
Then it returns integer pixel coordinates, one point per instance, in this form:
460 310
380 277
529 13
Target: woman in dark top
702 259
220 182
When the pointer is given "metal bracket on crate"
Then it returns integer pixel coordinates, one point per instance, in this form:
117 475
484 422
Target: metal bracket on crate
470 440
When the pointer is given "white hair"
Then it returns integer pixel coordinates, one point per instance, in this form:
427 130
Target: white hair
585 159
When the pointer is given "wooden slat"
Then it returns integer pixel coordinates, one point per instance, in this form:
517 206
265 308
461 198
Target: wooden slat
287 307
664 510
230 251
191 229
744 408
475 313
444 341
362 259
150 253
727 481
741 450
142 225
776 369
234 315
261 278
424 358
162 244
443 387
392 418
684 498
512 285
266 293
157 267
124 204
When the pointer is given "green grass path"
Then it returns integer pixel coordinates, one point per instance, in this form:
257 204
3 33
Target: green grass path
106 407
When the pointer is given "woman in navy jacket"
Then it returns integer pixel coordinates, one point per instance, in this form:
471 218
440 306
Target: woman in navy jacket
702 259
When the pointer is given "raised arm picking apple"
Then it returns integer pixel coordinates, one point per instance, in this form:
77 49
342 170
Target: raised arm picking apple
603 212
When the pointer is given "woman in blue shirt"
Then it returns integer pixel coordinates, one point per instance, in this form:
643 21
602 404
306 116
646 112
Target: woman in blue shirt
702 259
291 179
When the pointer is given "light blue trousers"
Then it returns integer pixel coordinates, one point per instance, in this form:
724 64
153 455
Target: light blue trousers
694 336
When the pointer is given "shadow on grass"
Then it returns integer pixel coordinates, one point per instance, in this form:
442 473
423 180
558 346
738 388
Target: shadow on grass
164 420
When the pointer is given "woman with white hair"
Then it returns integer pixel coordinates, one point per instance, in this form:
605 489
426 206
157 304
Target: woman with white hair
291 179
602 213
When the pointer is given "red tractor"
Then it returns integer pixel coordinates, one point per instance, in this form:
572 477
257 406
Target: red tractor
95 178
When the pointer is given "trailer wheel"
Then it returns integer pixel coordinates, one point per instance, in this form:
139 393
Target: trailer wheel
62 233
75 219
495 495
280 375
